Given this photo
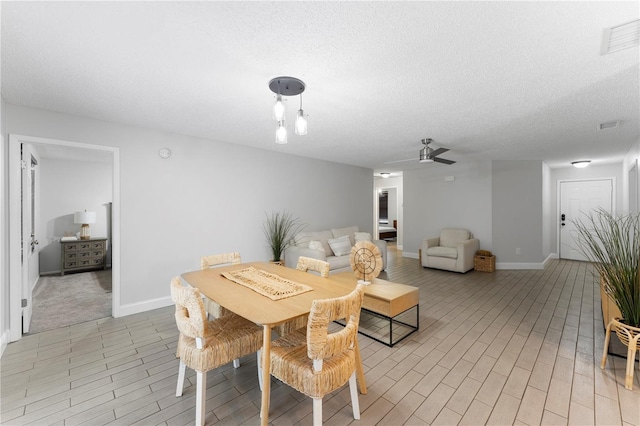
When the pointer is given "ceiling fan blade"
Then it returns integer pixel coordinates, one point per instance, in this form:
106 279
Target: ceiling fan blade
438 151
400 161
443 161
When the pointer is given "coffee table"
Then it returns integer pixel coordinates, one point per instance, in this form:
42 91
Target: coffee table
387 310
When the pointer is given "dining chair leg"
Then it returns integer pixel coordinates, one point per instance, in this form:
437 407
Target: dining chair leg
236 363
360 369
181 369
201 396
605 351
631 360
355 403
259 361
317 411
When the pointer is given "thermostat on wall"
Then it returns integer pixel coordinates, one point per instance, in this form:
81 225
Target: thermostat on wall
164 153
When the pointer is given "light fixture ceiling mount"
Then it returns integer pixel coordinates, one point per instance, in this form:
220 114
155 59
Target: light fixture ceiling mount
581 164
286 86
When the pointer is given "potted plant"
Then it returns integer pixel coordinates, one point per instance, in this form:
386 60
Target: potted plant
279 229
612 243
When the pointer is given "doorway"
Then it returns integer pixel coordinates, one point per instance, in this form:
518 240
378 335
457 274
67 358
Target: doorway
19 288
577 200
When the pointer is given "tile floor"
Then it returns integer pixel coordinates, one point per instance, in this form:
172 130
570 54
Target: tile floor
509 347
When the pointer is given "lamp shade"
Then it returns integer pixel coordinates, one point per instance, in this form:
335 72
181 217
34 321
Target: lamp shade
84 217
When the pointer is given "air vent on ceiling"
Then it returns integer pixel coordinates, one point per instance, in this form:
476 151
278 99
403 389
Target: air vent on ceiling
609 125
620 37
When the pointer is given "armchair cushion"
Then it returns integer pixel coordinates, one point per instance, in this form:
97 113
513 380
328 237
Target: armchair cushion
450 237
449 252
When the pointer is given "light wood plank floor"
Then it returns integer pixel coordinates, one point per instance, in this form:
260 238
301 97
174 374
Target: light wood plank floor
510 347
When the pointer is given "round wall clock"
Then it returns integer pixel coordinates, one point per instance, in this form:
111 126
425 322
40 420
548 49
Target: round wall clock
366 261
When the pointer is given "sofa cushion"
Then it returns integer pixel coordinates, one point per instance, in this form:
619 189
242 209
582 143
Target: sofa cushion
350 231
338 262
440 251
315 245
340 246
450 237
362 236
304 238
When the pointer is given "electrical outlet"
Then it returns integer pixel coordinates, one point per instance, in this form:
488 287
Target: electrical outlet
518 250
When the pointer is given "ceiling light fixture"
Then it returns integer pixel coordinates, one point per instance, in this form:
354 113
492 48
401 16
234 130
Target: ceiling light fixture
287 86
385 175
580 164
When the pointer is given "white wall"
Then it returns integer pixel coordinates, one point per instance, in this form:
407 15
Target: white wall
208 197
68 186
632 157
431 203
517 211
4 234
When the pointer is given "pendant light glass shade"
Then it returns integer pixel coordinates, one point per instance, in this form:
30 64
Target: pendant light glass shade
301 123
278 109
281 133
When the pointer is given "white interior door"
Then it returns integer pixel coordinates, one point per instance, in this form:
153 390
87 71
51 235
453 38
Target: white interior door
577 200
30 259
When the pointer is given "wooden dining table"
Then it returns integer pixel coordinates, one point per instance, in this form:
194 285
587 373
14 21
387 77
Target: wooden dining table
268 313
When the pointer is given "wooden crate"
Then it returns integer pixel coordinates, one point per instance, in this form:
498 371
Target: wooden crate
484 263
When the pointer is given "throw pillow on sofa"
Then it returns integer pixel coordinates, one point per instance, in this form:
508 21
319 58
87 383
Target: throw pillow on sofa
349 230
340 246
315 245
362 236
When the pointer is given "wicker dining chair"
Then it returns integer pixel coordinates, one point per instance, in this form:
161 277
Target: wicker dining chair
324 361
204 345
630 337
213 309
305 264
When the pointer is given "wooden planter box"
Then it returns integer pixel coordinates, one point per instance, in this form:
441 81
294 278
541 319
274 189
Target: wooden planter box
484 263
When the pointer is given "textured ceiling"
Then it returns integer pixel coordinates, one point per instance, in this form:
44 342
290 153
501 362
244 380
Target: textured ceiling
488 80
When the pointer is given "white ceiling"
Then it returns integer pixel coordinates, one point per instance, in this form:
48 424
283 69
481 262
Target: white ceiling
488 80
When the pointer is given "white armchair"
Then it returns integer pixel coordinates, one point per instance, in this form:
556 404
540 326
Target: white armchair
453 250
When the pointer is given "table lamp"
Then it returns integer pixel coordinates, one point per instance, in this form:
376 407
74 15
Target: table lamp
85 218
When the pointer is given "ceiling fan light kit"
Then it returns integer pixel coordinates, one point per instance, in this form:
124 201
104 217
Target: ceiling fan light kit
430 155
287 86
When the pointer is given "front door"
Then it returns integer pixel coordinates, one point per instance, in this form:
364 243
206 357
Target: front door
577 200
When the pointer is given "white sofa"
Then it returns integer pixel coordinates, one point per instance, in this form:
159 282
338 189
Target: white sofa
317 245
454 250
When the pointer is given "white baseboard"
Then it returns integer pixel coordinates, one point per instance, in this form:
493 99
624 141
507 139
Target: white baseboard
4 341
410 255
514 265
148 305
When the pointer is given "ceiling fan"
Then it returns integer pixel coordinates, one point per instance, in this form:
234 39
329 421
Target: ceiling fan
428 155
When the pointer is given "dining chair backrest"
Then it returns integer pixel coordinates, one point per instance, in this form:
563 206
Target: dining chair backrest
307 263
322 344
220 259
191 317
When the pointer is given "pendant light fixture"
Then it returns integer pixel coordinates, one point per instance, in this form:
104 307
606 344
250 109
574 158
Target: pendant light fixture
287 86
301 122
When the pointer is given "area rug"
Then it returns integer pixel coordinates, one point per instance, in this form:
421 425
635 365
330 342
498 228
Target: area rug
71 299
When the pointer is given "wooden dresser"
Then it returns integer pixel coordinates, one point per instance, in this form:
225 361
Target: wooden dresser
83 255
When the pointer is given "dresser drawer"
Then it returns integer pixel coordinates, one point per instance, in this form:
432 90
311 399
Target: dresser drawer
97 245
70 247
70 264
